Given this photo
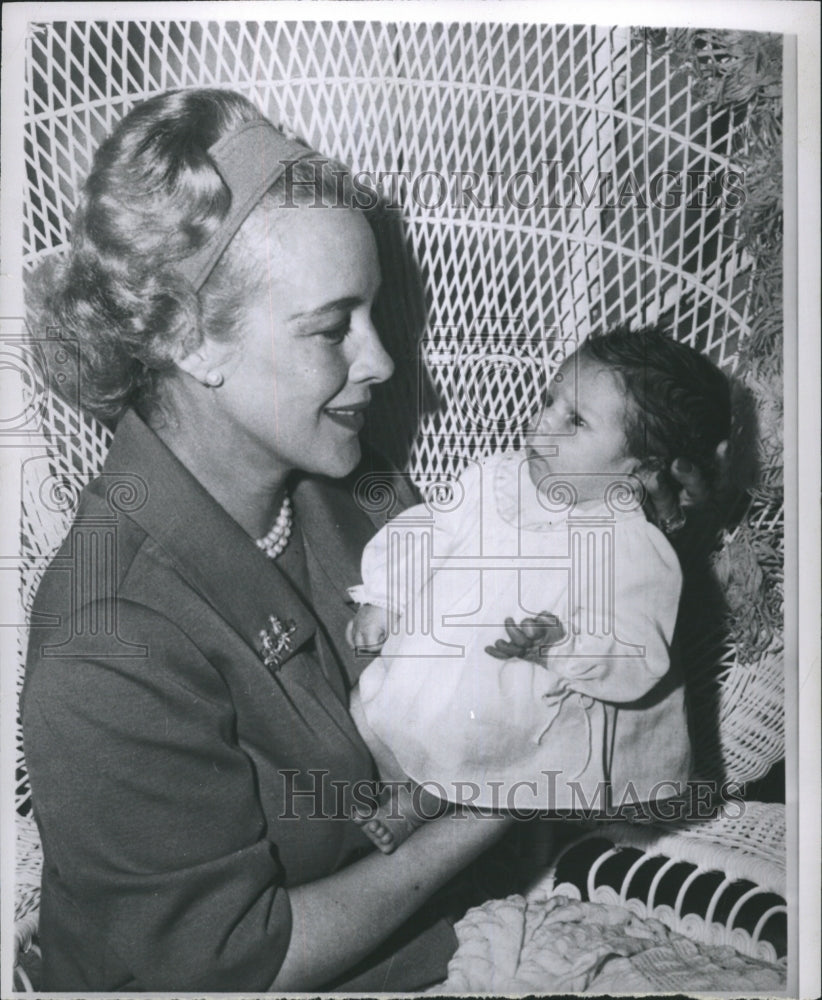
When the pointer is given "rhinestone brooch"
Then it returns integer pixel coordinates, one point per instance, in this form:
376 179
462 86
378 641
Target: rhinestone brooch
276 640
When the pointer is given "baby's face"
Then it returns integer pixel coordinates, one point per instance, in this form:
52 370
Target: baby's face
583 421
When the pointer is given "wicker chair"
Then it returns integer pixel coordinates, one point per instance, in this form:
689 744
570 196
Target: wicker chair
480 302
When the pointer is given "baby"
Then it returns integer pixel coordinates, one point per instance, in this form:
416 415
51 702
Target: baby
573 705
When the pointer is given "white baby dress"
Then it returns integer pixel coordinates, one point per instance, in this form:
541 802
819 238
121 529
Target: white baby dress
604 723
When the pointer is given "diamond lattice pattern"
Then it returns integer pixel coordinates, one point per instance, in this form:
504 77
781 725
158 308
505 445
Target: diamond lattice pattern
480 302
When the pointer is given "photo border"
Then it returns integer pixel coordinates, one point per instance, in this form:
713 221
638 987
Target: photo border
799 22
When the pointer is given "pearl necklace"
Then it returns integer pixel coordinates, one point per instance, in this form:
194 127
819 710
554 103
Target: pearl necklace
274 543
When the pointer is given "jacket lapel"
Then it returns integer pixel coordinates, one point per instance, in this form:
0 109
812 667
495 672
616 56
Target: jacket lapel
205 544
335 533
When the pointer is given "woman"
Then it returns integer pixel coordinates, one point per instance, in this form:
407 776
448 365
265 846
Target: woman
192 759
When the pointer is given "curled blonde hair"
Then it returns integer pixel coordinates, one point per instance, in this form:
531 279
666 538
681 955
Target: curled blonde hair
153 197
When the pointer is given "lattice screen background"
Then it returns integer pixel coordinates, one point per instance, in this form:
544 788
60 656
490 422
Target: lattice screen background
462 282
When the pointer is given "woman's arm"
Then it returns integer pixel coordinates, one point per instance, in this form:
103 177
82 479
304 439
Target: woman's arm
680 489
338 920
153 817
150 813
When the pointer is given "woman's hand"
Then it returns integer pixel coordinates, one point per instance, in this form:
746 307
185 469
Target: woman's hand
670 503
339 919
527 640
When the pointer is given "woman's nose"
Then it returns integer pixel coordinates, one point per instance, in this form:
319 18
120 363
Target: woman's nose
372 362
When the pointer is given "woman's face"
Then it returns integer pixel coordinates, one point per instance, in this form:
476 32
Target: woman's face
299 379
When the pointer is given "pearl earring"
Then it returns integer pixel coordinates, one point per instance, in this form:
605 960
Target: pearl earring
214 379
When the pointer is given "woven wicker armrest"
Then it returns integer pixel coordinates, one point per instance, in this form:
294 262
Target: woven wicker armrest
719 881
28 868
485 295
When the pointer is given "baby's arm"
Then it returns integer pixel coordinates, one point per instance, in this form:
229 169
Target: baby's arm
629 656
377 612
600 669
391 574
369 628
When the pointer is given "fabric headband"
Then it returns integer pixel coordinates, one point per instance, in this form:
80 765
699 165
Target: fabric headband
249 159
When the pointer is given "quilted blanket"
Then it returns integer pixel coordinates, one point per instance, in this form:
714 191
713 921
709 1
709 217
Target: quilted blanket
559 945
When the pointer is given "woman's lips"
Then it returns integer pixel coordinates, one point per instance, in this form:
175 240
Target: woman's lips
350 417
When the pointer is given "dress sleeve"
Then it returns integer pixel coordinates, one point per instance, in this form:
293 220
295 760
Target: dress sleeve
626 660
152 807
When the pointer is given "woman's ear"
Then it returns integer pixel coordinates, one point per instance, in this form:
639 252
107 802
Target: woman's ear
204 362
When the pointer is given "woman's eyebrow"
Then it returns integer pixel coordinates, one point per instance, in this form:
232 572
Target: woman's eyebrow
350 302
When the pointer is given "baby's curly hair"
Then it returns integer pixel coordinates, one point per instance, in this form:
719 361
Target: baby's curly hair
153 197
682 402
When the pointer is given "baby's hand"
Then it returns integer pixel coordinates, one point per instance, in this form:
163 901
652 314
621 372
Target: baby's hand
528 640
368 629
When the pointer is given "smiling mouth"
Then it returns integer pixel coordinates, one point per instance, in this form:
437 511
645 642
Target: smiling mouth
350 417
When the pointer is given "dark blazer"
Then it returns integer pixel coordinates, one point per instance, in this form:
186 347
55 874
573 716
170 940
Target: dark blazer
180 784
